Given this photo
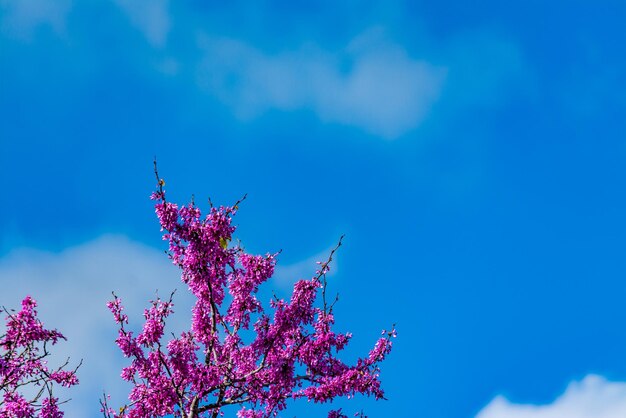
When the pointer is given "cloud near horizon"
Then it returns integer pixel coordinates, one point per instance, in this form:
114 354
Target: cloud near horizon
592 397
72 287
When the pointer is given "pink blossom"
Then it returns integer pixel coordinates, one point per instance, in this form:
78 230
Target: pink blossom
23 353
290 352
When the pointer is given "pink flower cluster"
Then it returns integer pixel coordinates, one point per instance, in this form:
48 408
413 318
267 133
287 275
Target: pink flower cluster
23 353
289 352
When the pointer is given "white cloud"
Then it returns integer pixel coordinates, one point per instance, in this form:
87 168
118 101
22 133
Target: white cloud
593 397
20 18
373 83
72 288
151 17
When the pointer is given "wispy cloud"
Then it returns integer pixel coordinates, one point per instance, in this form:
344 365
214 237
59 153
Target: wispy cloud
377 84
286 275
593 397
151 17
20 18
373 83
72 288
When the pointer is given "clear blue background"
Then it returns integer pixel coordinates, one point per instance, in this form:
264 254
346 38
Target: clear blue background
491 230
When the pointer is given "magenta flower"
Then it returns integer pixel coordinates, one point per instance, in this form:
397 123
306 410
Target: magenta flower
236 353
23 352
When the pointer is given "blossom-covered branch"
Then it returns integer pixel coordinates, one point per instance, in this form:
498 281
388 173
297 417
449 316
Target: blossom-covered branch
23 366
293 351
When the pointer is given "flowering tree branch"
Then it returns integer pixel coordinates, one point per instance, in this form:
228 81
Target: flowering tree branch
23 364
292 355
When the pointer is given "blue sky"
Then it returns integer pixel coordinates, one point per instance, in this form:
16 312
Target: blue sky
474 154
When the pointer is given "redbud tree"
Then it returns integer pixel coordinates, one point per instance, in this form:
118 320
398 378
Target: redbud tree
216 364
26 380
